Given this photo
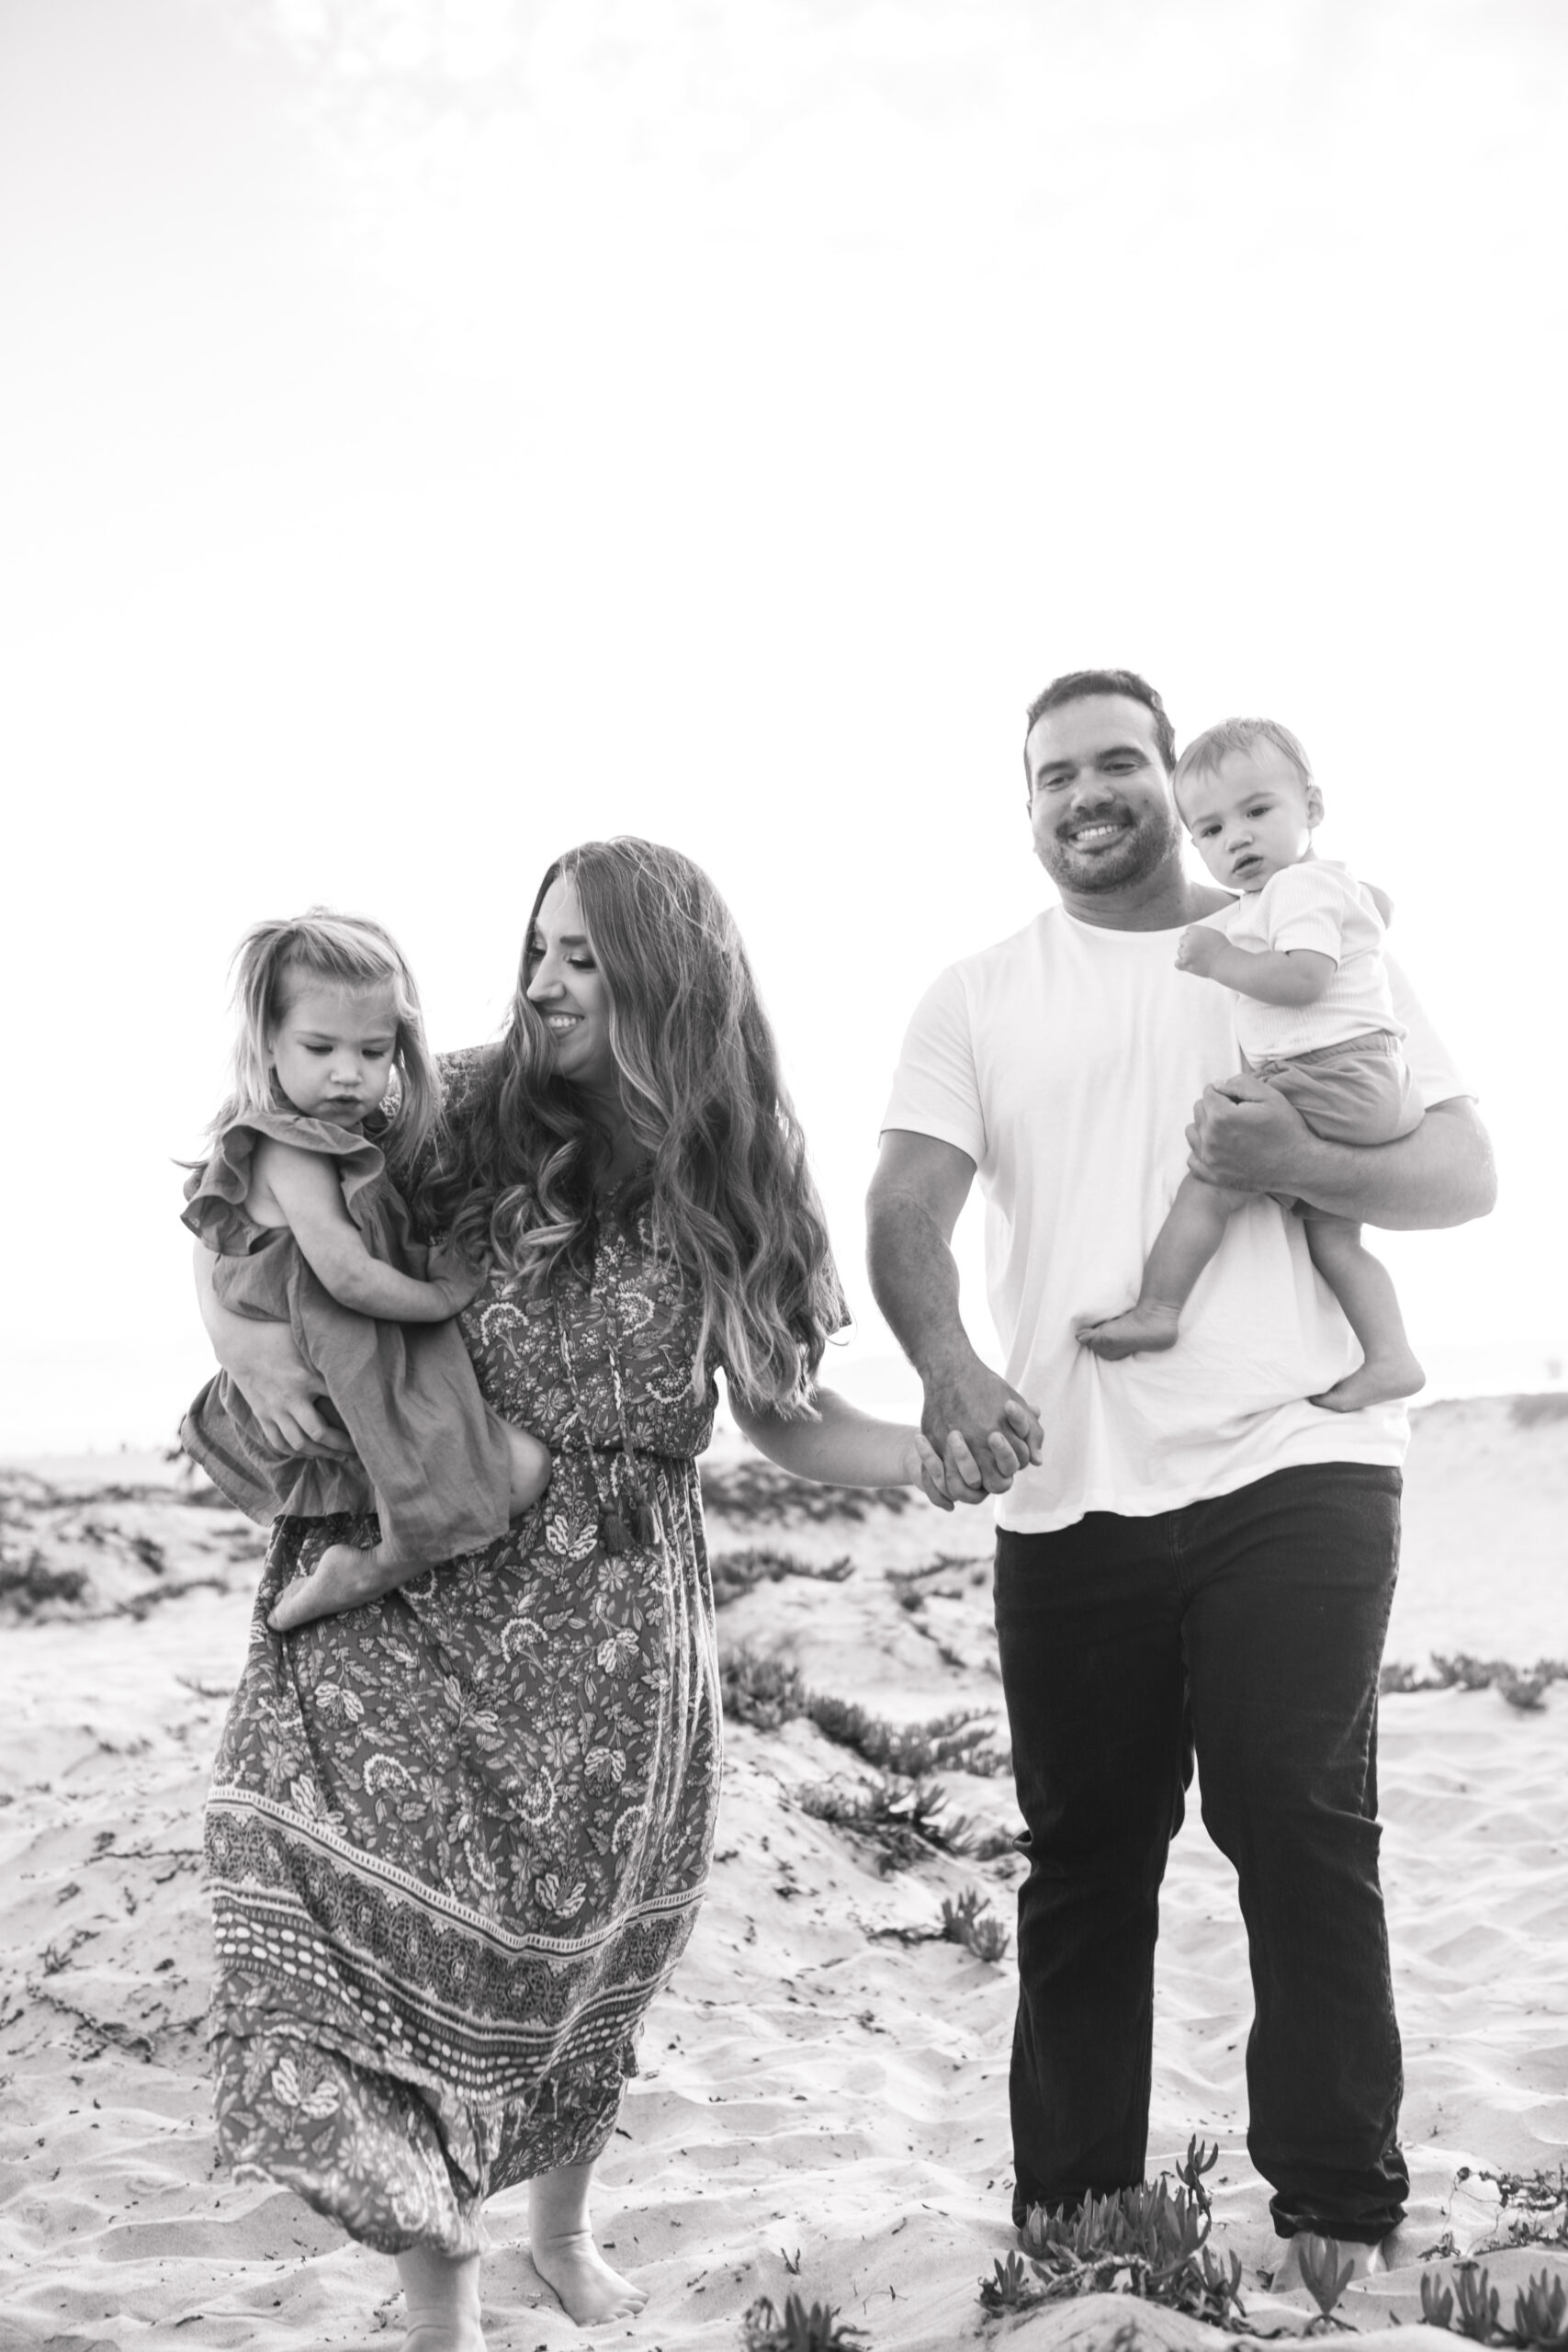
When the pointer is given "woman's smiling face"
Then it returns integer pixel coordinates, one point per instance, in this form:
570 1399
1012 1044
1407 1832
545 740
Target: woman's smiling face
567 989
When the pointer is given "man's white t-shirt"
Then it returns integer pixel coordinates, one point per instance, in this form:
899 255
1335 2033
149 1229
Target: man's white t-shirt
1065 1062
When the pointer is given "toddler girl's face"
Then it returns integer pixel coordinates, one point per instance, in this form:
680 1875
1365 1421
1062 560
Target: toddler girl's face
331 1051
1250 815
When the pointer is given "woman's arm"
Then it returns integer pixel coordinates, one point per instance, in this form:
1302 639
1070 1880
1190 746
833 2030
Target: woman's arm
269 1372
845 1447
306 1188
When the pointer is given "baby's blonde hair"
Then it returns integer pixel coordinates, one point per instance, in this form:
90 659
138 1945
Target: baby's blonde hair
356 952
1206 752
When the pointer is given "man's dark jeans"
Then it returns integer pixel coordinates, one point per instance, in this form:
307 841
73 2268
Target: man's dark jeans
1251 1626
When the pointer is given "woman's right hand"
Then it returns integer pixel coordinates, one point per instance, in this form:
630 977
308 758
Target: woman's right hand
283 1392
267 1369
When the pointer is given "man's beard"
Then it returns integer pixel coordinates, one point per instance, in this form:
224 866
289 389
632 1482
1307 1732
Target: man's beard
1150 841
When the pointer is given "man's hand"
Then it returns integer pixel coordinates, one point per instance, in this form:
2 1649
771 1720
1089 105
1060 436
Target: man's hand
1246 1138
984 1432
1201 949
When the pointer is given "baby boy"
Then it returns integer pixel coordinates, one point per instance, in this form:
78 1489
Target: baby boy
1302 949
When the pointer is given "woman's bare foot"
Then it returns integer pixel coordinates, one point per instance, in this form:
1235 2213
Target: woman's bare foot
1379 1381
1143 1331
531 1466
564 2253
344 1577
442 2298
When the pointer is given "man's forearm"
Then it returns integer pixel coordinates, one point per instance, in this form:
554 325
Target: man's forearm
1441 1173
914 1280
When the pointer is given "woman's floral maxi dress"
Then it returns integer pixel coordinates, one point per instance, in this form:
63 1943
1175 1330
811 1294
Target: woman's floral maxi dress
457 1838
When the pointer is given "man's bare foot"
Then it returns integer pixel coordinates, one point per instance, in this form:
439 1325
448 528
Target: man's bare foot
1377 1381
443 2301
344 1577
531 1466
561 2244
1143 1331
1365 2262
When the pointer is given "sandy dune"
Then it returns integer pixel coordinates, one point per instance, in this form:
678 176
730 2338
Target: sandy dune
825 2085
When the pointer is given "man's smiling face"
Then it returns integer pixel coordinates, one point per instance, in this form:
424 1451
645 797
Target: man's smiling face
1099 802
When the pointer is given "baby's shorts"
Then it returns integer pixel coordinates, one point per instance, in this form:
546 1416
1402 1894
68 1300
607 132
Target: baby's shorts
1359 1091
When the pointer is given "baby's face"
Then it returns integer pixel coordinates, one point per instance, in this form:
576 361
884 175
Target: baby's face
1250 815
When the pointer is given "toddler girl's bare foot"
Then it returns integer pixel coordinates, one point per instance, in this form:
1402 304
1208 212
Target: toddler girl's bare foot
531 1468
344 1577
1379 1381
1143 1331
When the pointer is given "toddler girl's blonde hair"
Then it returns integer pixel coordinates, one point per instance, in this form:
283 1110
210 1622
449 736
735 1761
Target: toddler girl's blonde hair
356 952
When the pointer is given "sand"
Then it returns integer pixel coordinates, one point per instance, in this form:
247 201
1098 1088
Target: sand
822 2101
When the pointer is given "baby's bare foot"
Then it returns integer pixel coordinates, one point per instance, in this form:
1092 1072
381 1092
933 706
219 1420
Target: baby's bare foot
344 1577
591 2292
1143 1331
1379 1381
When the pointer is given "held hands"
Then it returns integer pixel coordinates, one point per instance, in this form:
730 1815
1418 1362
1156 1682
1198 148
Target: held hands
1201 949
982 1431
928 1473
1246 1138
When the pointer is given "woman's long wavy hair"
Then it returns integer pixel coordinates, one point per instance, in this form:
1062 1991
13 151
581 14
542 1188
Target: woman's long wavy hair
728 1191
322 944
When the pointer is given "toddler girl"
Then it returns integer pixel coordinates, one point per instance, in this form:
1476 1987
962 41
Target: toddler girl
296 1202
1303 948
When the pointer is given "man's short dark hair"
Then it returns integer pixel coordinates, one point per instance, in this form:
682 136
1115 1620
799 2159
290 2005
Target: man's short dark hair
1076 685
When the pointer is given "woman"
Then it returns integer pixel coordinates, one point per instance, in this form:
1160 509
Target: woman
458 1837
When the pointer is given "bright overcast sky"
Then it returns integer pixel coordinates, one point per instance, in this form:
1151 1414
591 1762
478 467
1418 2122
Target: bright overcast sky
433 433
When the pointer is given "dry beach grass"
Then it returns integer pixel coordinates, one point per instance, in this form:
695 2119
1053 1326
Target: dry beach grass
822 2104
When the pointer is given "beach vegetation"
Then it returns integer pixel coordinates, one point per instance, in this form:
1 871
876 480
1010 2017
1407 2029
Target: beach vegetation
962 1741
1472 2307
972 1923
738 1572
903 1823
1522 1686
757 1491
800 2330
30 1583
1323 2274
1534 2206
765 1691
1148 2242
761 1690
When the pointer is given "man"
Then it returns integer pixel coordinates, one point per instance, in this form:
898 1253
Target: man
1187 1550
